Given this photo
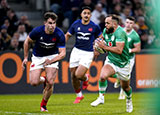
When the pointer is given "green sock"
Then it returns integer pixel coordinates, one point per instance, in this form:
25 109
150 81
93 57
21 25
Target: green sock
129 93
114 76
102 86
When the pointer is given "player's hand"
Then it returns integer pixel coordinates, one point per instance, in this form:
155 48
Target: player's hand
24 63
100 43
47 62
96 54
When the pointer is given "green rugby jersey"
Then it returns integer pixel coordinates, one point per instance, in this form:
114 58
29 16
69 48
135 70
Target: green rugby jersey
118 36
133 38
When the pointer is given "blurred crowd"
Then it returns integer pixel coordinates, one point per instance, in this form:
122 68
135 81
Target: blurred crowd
14 30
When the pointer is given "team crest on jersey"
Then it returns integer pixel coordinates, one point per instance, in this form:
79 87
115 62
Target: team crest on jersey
110 44
129 39
53 39
78 28
90 29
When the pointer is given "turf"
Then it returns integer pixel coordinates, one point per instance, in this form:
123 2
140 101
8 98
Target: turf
62 104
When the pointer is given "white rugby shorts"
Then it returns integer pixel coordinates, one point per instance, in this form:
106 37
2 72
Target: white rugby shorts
37 62
122 73
80 57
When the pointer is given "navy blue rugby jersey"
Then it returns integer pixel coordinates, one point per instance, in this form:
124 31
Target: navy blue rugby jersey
47 44
85 34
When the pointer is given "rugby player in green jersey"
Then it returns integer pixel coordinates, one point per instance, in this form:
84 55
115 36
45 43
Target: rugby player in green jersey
134 47
117 62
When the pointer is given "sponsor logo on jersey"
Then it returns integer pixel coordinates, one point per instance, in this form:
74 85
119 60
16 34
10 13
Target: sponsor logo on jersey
47 45
83 36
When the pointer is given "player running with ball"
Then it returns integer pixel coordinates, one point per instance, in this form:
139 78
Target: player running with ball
117 61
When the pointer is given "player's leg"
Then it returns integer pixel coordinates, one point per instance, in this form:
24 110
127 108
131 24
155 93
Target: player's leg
47 92
76 85
121 94
128 91
35 77
106 71
81 75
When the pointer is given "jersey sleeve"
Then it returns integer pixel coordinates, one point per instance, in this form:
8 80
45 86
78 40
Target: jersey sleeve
137 39
33 34
61 43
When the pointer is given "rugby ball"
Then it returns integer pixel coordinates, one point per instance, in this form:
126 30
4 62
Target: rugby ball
100 50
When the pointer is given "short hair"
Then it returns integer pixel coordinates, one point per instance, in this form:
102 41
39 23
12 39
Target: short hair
131 18
86 7
51 15
114 17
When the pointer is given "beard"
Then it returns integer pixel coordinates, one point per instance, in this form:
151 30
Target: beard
110 30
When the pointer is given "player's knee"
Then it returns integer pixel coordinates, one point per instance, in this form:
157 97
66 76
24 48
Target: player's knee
78 75
103 78
34 83
50 82
126 88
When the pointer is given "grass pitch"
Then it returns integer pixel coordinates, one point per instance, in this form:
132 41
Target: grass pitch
62 104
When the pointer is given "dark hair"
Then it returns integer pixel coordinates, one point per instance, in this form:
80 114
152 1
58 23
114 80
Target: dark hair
51 15
131 18
86 7
114 17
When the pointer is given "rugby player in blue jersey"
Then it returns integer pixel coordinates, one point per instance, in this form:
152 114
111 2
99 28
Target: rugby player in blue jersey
85 32
49 48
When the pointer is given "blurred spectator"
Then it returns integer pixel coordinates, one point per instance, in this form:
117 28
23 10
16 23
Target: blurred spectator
88 3
24 20
13 19
4 7
151 37
144 40
71 9
112 4
57 8
5 38
14 44
136 27
117 9
22 35
142 26
102 22
125 14
104 5
97 12
7 25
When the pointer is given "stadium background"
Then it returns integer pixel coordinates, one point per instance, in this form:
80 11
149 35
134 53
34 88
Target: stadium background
30 14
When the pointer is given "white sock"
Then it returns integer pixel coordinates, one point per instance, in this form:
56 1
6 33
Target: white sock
101 95
42 79
86 78
79 94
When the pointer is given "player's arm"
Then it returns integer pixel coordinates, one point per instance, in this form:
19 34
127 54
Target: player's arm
116 49
67 36
26 49
60 56
136 49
